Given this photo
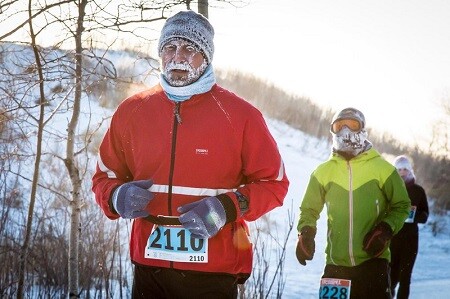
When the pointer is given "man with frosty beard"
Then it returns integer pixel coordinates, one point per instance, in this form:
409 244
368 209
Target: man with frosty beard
189 162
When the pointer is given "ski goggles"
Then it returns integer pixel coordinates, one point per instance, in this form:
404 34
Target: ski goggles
352 124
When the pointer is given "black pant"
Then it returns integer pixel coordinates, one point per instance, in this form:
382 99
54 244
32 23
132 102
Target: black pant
403 256
170 283
369 280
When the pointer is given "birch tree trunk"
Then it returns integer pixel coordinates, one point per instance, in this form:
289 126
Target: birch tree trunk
26 243
70 161
203 7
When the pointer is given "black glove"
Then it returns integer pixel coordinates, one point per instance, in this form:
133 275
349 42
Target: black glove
421 217
377 240
305 244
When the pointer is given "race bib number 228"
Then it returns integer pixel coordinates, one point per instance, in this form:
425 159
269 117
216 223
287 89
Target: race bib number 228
334 288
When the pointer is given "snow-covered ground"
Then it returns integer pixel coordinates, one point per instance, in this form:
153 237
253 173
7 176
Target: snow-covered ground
301 154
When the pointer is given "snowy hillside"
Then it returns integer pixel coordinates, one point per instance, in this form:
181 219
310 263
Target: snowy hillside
301 154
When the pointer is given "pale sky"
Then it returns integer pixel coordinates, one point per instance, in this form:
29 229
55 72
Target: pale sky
389 58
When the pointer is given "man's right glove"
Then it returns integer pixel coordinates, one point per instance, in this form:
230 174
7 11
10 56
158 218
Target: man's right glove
305 244
130 199
377 240
205 217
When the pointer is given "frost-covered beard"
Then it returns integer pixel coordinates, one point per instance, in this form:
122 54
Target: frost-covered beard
193 74
350 142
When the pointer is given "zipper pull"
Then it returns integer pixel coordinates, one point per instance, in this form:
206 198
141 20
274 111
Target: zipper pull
176 112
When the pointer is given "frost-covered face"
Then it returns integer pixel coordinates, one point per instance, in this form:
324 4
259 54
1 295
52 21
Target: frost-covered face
348 141
182 62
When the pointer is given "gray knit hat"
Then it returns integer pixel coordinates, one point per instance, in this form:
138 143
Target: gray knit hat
191 26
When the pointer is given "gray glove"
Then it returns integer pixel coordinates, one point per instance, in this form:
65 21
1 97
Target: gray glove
204 218
130 199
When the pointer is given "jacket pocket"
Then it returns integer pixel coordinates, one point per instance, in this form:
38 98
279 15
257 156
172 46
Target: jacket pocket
244 250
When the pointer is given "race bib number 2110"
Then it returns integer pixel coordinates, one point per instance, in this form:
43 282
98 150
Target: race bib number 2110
176 244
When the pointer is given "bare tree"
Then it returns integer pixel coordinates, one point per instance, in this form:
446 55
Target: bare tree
440 147
40 123
69 161
62 79
440 142
269 250
203 7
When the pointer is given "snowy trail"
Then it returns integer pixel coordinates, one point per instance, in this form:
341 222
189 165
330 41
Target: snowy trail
430 289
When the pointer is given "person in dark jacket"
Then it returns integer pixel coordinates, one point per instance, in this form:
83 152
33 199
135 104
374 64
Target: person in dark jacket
404 246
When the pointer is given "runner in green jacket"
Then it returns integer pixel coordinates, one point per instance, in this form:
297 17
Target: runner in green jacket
367 204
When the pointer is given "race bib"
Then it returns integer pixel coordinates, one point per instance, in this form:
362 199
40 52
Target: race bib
334 288
175 243
412 214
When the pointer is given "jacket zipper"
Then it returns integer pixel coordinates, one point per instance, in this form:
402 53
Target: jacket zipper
350 206
176 122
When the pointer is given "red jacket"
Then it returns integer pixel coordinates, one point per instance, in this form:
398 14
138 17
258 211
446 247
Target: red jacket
215 143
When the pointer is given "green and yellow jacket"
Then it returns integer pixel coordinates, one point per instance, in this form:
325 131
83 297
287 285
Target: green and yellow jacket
358 194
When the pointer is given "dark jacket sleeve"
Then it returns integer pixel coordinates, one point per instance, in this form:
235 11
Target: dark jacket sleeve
422 206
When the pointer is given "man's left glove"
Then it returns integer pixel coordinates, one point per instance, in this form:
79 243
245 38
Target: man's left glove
204 218
376 241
